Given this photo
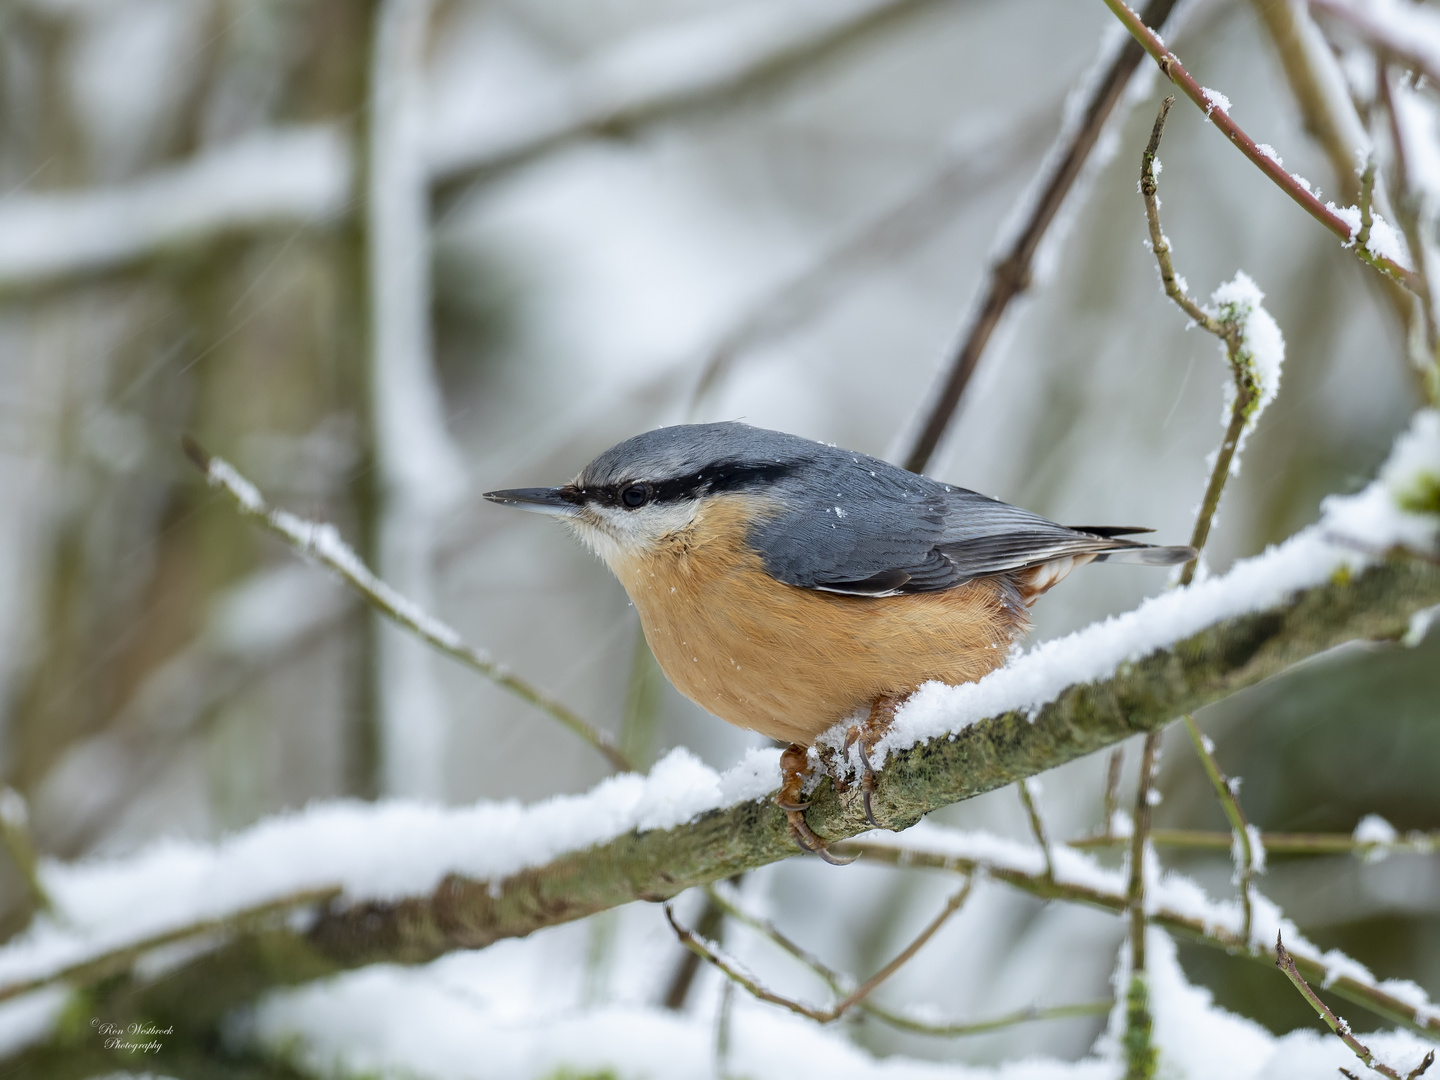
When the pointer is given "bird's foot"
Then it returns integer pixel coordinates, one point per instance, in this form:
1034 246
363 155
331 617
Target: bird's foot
794 764
863 736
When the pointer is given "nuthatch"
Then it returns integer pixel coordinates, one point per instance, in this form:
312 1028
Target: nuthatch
785 585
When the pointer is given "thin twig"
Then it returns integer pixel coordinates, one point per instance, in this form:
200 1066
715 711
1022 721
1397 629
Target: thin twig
1367 196
1420 1018
1159 243
963 173
824 1016
321 543
1243 844
1274 843
1037 824
1111 804
15 830
1229 330
1286 963
710 926
839 984
1009 274
117 961
1140 1054
1331 117
723 1018
1174 70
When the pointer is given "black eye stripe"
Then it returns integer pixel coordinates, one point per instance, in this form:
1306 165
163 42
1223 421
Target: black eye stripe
730 476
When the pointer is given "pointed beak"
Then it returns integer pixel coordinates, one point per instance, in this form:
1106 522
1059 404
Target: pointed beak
560 501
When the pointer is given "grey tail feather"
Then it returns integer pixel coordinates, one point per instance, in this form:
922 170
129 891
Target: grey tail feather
1149 554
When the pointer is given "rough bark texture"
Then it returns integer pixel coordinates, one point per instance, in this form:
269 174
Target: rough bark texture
1146 694
1229 656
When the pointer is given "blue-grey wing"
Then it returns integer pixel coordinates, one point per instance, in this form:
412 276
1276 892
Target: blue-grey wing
864 527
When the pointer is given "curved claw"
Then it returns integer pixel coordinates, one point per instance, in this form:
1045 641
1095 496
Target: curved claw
806 838
792 807
869 811
867 785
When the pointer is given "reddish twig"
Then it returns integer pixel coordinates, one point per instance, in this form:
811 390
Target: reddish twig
1286 963
1175 71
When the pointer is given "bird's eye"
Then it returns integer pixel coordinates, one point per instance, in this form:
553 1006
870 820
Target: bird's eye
635 496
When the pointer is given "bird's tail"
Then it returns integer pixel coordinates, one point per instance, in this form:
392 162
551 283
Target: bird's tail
1147 554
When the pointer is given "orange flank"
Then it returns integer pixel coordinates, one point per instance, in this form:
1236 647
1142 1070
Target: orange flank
791 662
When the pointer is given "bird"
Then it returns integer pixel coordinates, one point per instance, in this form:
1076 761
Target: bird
787 585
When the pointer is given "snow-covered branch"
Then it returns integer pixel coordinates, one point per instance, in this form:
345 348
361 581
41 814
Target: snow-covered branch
1173 903
322 544
304 177
300 177
419 881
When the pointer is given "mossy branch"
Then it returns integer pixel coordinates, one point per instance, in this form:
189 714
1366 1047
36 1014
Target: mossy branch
1143 695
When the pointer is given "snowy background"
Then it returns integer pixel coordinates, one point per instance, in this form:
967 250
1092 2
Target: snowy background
615 189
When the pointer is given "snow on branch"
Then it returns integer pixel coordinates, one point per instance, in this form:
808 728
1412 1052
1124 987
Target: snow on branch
1172 901
304 176
320 542
418 881
299 176
657 72
1344 222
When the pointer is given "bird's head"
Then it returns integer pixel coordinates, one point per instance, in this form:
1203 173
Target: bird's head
650 487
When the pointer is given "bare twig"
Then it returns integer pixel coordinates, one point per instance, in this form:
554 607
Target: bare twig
1330 115
321 543
1275 843
963 172
1009 274
1286 963
117 961
1243 843
1229 330
1140 1054
1419 1018
824 1016
839 984
1367 196
1111 802
1208 103
723 1019
710 926
1158 241
1026 788
15 830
